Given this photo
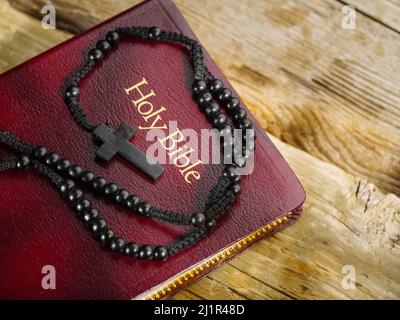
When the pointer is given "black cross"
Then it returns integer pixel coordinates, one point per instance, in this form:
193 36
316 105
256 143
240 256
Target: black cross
118 142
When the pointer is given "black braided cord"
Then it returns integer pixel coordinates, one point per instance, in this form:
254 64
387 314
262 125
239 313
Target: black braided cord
66 176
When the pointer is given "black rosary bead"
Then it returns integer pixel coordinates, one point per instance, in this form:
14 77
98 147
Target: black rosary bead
102 224
75 171
110 189
23 162
219 120
160 253
52 159
104 46
72 92
131 202
117 244
99 183
212 109
121 195
230 172
239 115
232 105
215 86
144 208
224 95
90 214
239 162
146 252
204 99
66 186
82 205
155 33
40 153
63 165
198 219
132 249
237 179
96 225
236 189
106 235
87 177
226 131
95 55
198 87
75 195
86 217
245 124
113 37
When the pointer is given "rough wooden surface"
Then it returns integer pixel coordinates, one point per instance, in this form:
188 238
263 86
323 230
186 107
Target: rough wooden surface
22 37
331 98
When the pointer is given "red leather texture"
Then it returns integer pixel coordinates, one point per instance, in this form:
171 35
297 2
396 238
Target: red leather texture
38 228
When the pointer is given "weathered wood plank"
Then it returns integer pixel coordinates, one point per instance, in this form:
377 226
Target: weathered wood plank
346 220
22 37
248 286
386 12
326 90
75 16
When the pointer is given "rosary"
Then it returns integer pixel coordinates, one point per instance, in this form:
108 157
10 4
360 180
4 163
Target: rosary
208 92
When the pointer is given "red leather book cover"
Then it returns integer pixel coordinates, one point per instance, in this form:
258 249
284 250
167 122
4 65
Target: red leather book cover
38 228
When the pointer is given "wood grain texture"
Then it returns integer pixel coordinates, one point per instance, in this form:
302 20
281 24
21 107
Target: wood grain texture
331 95
346 222
22 37
385 12
329 91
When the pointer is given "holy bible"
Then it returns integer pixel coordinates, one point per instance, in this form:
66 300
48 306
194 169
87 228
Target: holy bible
40 235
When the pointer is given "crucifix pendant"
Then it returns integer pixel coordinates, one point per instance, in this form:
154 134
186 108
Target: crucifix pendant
118 143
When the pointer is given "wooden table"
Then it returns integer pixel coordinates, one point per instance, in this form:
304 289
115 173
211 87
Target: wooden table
330 99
